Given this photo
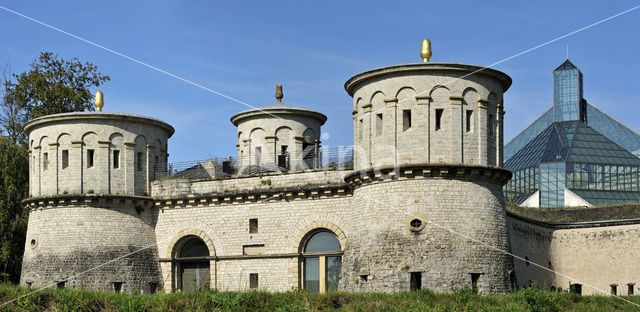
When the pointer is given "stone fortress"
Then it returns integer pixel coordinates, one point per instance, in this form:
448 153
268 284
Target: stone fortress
421 206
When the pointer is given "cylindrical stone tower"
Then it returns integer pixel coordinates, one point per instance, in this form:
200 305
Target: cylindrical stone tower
427 180
89 181
278 137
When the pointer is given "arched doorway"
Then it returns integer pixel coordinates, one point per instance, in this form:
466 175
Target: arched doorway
321 261
191 264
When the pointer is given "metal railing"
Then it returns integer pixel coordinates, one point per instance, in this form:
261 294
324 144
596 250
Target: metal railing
223 167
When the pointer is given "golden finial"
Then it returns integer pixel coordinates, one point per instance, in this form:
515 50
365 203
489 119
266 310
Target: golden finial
99 103
425 52
279 93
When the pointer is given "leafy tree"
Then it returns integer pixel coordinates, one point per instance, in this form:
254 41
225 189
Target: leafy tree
52 85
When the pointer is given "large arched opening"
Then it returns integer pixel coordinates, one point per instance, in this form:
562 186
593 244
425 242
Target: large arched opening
321 261
191 264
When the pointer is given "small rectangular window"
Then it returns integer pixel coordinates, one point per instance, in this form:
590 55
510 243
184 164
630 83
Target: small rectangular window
630 287
439 112
60 285
116 159
65 159
576 288
378 124
117 287
475 278
614 289
415 281
253 225
29 284
468 121
139 161
406 119
90 158
283 149
253 280
364 278
153 287
45 161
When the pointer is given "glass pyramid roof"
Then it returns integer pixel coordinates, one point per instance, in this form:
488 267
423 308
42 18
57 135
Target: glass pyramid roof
566 65
571 141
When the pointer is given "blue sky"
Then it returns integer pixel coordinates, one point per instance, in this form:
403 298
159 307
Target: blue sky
242 49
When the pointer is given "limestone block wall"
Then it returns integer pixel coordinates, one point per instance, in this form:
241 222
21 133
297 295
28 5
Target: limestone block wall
387 250
101 153
596 255
282 224
428 113
72 235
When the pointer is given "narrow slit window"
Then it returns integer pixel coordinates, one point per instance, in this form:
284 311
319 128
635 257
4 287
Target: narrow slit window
490 125
253 280
469 120
415 281
614 289
360 129
45 161
90 154
406 119
258 154
379 124
630 287
139 161
116 159
439 112
253 225
65 159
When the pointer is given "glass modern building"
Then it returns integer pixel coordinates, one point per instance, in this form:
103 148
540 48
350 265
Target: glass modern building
574 154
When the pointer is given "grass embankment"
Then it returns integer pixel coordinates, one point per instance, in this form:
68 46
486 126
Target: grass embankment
530 299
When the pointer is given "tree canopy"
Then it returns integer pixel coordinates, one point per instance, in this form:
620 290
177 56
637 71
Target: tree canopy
52 85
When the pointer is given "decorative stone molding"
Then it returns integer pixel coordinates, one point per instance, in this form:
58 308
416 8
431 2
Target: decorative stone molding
423 99
430 170
80 200
456 100
257 196
129 145
484 104
391 102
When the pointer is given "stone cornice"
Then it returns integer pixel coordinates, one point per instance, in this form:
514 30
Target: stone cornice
77 200
429 170
257 196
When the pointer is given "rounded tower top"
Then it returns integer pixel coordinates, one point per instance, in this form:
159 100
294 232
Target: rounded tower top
278 110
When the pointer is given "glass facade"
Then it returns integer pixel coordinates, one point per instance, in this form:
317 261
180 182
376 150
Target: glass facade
574 147
567 92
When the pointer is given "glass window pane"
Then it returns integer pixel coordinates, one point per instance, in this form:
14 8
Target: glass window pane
333 272
312 274
323 241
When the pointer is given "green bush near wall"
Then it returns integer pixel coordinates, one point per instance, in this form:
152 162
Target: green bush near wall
529 299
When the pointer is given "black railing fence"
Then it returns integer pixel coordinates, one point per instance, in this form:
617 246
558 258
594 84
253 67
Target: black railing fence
221 167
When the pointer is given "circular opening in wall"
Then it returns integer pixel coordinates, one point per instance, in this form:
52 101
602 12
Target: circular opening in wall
33 243
416 225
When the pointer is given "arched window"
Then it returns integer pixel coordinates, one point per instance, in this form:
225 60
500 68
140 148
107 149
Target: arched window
321 262
191 264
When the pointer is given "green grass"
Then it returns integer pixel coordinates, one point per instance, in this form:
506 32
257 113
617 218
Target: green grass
529 299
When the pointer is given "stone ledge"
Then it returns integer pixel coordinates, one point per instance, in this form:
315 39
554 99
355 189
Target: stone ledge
76 200
255 196
429 170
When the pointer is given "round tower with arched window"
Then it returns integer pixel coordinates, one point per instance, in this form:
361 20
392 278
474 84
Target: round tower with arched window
427 180
278 137
89 181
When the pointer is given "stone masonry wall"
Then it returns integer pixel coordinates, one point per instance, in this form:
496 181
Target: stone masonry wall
596 255
67 240
387 251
